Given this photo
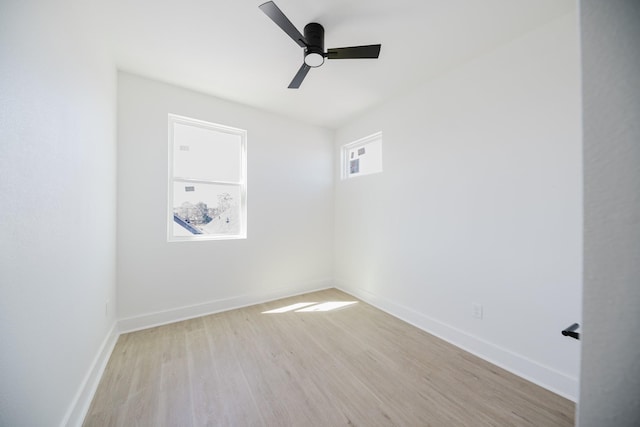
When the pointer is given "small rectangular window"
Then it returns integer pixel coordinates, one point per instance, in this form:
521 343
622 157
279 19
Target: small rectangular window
207 181
362 157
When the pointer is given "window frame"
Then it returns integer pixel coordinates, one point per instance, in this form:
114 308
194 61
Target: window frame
242 183
345 171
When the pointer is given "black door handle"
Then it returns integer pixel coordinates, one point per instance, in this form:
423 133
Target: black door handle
571 331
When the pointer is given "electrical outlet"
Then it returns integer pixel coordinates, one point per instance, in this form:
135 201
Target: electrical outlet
476 310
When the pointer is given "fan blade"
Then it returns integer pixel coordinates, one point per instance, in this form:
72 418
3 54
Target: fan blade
300 75
272 11
369 51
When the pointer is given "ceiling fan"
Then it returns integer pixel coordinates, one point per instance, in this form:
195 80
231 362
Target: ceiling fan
313 44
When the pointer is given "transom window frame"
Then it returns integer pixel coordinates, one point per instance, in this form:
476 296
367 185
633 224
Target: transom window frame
345 170
242 183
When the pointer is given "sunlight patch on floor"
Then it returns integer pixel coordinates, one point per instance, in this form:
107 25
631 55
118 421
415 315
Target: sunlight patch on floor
305 307
328 306
291 307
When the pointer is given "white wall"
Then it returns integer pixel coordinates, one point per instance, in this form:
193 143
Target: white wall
290 210
57 208
610 380
479 201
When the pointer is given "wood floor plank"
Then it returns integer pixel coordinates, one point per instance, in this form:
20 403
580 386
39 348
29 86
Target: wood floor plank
353 365
230 380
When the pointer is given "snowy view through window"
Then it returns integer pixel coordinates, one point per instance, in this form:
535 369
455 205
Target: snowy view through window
199 209
207 185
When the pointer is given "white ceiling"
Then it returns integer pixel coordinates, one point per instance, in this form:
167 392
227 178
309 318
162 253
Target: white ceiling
230 49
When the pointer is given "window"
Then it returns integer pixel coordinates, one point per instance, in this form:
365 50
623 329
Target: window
207 181
362 157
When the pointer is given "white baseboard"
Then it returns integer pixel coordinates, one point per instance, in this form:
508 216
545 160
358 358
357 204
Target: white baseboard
80 405
517 364
149 320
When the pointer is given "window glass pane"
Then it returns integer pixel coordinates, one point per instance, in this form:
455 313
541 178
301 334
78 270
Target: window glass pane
206 209
206 154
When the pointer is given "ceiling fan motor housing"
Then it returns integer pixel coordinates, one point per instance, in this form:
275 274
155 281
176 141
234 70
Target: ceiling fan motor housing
314 52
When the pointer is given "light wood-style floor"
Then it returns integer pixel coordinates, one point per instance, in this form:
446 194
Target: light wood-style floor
354 365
